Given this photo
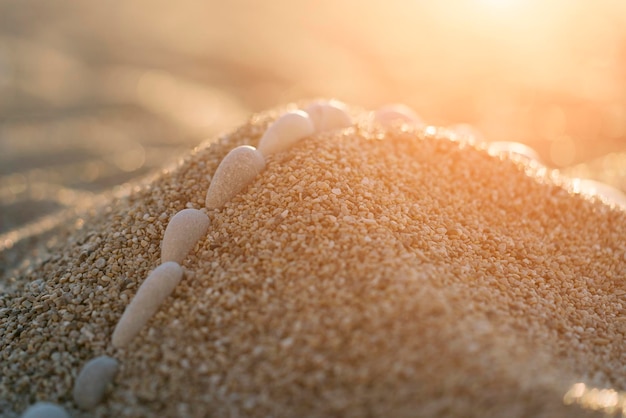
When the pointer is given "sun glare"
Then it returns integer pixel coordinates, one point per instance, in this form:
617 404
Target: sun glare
501 4
608 401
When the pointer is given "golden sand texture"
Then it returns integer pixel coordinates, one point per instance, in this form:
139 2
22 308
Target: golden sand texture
365 272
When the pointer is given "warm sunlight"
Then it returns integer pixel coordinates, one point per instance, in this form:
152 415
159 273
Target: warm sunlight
323 208
506 6
501 3
608 401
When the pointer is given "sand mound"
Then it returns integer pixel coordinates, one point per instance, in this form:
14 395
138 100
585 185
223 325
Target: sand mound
365 272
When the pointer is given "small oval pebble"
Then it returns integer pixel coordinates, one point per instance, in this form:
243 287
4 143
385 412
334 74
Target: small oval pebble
45 410
182 232
467 132
389 114
159 284
596 188
285 132
328 116
510 147
235 172
92 381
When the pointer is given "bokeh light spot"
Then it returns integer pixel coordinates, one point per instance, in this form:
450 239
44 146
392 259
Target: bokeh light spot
562 151
132 159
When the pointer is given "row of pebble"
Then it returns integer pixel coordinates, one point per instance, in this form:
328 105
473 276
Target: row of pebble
241 165
235 172
238 168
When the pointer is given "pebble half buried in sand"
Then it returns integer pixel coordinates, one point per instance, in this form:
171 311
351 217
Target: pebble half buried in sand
327 116
394 113
235 172
182 232
510 147
285 132
596 188
45 410
159 284
92 381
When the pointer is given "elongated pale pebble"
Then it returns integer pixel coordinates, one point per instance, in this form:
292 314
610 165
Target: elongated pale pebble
45 410
285 132
389 114
182 232
92 381
510 147
235 172
327 116
159 284
596 188
466 132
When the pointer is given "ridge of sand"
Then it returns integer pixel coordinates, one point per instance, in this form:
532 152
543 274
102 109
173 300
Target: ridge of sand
365 272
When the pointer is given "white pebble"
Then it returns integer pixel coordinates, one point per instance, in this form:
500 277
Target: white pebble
45 410
285 132
235 172
393 113
327 116
604 191
159 284
92 381
510 147
467 132
182 232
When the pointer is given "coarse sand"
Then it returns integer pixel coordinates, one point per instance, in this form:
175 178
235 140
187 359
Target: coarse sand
366 272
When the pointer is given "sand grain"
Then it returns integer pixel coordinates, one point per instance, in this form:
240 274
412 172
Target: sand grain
365 272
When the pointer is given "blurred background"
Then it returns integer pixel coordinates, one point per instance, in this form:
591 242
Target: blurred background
95 94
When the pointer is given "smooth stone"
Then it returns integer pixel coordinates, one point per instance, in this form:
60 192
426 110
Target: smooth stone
92 381
45 410
328 116
285 132
238 169
159 285
602 190
510 147
467 132
182 232
394 113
